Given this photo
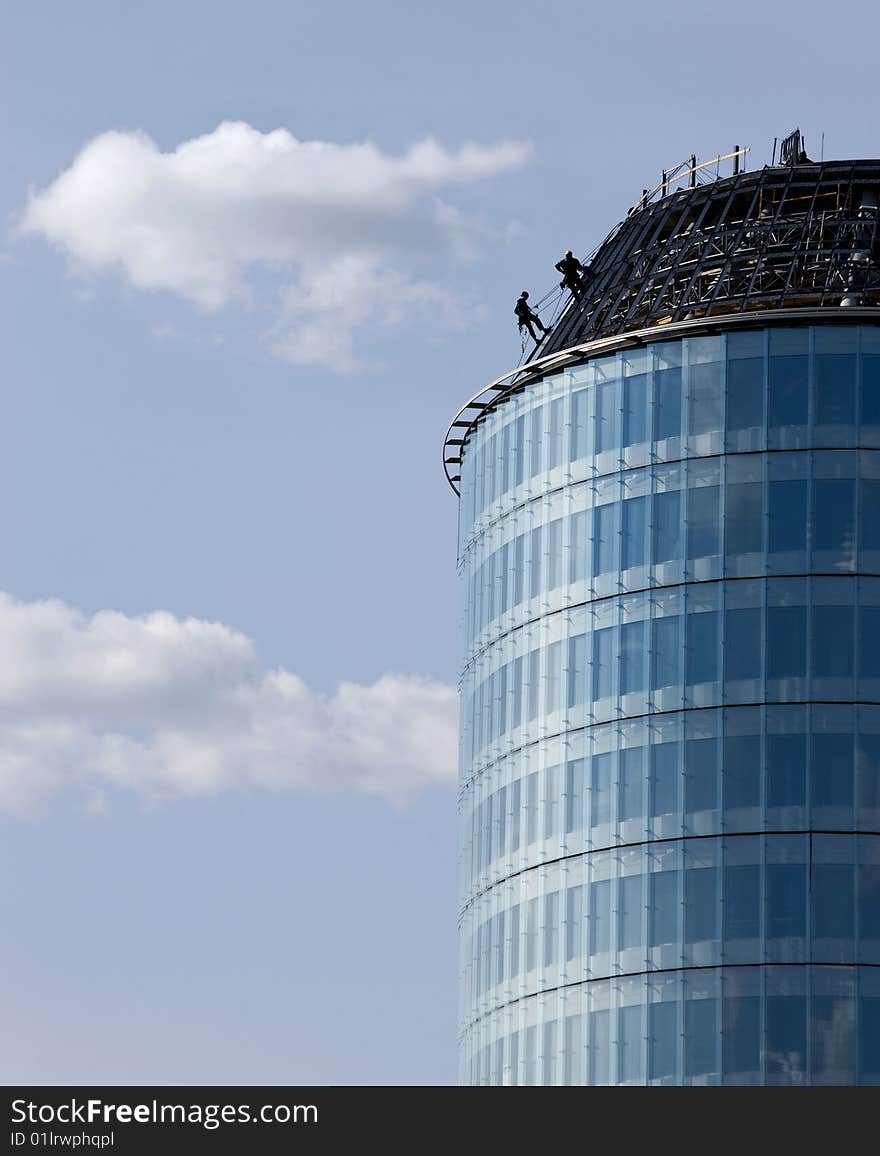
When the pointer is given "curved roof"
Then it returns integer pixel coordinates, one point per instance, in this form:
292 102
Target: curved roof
782 237
800 242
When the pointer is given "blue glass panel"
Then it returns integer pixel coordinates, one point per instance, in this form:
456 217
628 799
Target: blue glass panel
535 561
515 819
835 384
516 695
532 808
745 391
869 901
519 451
553 678
869 1038
787 505
786 641
868 764
831 776
580 416
551 801
788 400
577 554
605 532
742 644
600 1047
635 533
870 391
574 922
603 656
554 554
704 397
833 900
834 514
832 1035
536 464
551 927
601 801
549 1054
833 644
513 1059
742 771
667 404
506 458
574 1074
664 778
632 782
869 641
629 926
786 770
554 434
786 900
700 774
741 1034
534 684
633 656
742 901
667 526
703 522
700 904
666 650
519 569
577 670
665 905
600 916
629 1046
700 1035
743 522
530 1057
703 651
531 935
869 515
606 414
663 1029
786 1047
574 795
635 409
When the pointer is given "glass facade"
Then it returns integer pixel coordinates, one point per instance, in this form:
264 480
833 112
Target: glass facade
670 702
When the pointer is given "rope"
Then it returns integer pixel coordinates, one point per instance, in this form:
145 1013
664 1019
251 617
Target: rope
555 300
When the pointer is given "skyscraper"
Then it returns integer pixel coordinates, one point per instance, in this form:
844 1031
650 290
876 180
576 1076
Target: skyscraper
670 739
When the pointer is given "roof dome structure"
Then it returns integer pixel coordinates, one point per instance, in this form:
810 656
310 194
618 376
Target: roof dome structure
784 237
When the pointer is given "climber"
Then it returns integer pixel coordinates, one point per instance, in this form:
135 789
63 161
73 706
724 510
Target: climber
527 318
573 273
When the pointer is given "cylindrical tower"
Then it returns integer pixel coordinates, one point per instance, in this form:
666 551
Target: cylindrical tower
670 699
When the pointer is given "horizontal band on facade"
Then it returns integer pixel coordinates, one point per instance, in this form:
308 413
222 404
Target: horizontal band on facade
652 974
466 784
560 859
604 599
629 471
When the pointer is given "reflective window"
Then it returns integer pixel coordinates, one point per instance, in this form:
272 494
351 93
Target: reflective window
670 717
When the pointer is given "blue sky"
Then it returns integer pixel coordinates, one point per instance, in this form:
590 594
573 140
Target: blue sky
229 358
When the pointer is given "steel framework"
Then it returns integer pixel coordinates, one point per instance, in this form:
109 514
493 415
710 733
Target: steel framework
784 237
799 241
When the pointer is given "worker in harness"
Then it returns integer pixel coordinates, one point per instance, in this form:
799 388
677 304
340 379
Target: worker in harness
527 318
573 274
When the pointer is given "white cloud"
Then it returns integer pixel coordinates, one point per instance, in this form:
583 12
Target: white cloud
350 236
167 707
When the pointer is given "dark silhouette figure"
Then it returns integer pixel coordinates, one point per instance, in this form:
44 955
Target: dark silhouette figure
527 318
573 274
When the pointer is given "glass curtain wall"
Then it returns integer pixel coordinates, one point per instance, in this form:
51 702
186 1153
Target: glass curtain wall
670 738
